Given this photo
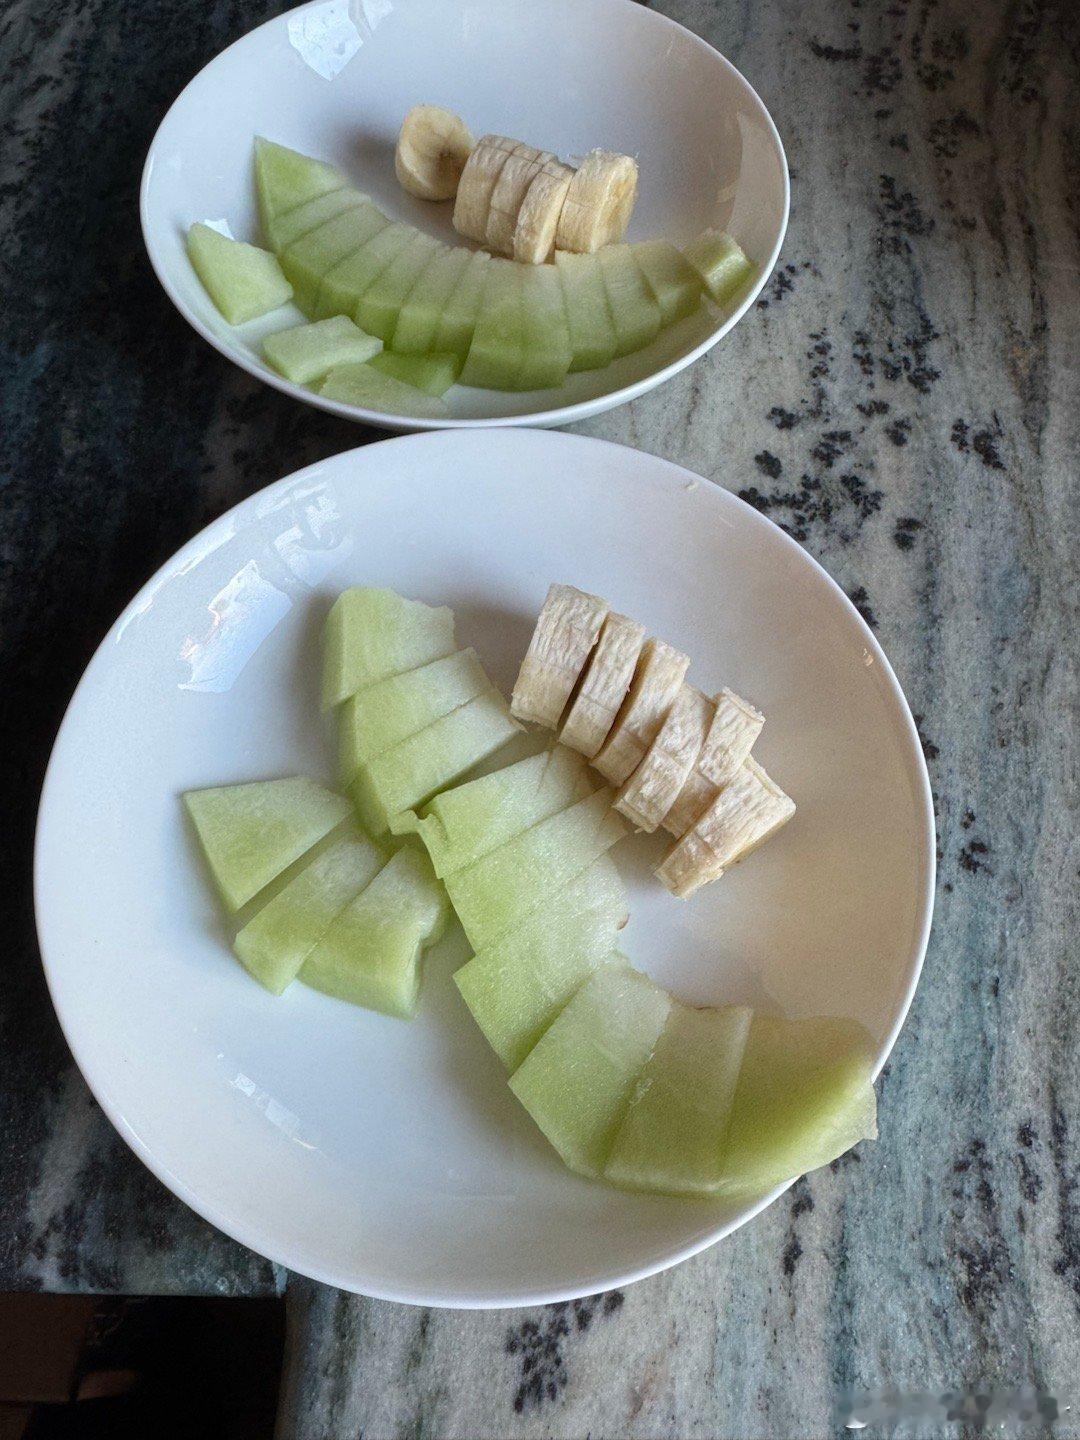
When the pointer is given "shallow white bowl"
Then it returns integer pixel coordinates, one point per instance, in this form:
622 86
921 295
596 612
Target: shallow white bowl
334 78
387 1157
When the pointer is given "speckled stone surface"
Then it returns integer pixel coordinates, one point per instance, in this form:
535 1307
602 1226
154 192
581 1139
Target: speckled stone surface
905 401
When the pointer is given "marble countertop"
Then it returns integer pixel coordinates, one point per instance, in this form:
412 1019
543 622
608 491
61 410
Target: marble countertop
903 400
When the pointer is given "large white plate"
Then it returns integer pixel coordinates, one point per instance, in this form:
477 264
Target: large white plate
333 78
387 1157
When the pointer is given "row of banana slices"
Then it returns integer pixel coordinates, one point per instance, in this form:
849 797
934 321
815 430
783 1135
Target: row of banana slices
511 197
680 758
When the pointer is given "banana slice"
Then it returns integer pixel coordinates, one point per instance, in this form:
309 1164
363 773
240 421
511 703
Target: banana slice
521 168
478 180
565 634
656 682
432 149
538 218
652 789
745 813
735 727
597 207
603 685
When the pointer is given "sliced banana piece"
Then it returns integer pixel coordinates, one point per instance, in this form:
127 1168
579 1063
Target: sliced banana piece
566 631
654 786
478 180
598 204
745 813
656 682
521 168
538 217
432 149
735 727
604 684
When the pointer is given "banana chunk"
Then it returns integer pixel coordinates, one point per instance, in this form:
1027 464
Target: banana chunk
521 168
660 672
538 217
604 684
432 150
745 813
598 203
478 181
735 727
653 788
566 631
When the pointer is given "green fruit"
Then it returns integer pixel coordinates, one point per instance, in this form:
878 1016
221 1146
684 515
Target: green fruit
242 281
517 986
547 353
671 1139
369 388
498 343
592 332
286 229
418 320
251 833
671 278
378 308
344 284
285 179
307 260
371 953
634 310
578 1080
721 263
306 352
273 945
371 634
433 374
457 322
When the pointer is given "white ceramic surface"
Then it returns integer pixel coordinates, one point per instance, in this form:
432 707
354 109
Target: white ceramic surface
388 1157
333 78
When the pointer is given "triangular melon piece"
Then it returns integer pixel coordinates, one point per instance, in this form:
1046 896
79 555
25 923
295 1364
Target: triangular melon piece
634 309
372 633
498 342
433 374
343 284
578 1080
547 352
285 179
457 322
671 1139
418 320
286 229
372 389
250 833
307 260
305 353
592 331
243 281
671 278
378 308
517 986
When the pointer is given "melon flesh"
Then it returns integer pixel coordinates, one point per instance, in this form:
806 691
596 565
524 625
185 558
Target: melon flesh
634 309
498 343
371 953
517 986
307 260
290 227
243 281
250 833
675 283
457 322
671 1139
721 263
342 286
578 1080
332 297
369 388
306 352
414 333
380 305
433 374
273 945
372 633
285 179
592 332
547 352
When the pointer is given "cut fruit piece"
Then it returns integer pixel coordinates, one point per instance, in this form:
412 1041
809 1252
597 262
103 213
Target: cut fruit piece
457 322
518 171
414 333
578 1080
380 305
371 634
496 892
517 986
671 278
478 180
720 262
251 833
599 202
735 727
307 352
285 179
343 286
547 353
804 1097
592 331
634 309
498 344
538 217
243 281
371 953
652 692
369 388
384 714
603 684
469 821
274 944
653 788
415 770
433 374
671 1139
307 260
742 817
566 631
432 149
286 229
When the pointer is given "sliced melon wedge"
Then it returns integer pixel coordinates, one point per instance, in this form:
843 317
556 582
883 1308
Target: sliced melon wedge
305 353
344 284
286 229
498 343
418 320
457 322
674 282
433 374
285 179
721 262
371 389
307 260
372 633
243 281
592 331
547 351
634 309
378 308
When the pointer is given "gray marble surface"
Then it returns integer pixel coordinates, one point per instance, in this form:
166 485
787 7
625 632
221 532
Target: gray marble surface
904 400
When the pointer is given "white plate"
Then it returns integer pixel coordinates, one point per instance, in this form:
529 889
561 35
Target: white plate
333 79
387 1157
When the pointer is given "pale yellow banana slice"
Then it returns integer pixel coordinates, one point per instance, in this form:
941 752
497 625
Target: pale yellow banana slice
538 218
654 786
478 180
433 146
566 631
604 684
735 727
745 813
598 204
517 174
656 682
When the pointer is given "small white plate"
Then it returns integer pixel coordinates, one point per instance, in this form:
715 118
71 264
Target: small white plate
334 78
390 1157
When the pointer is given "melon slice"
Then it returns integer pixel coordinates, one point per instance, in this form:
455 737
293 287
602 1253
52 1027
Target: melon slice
250 833
578 1080
371 953
415 770
307 352
378 308
634 309
721 263
285 179
307 260
592 331
275 942
243 281
674 282
547 352
371 633
457 322
390 711
290 227
498 343
343 285
418 320
463 824
433 374
672 1136
517 986
497 891
371 389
